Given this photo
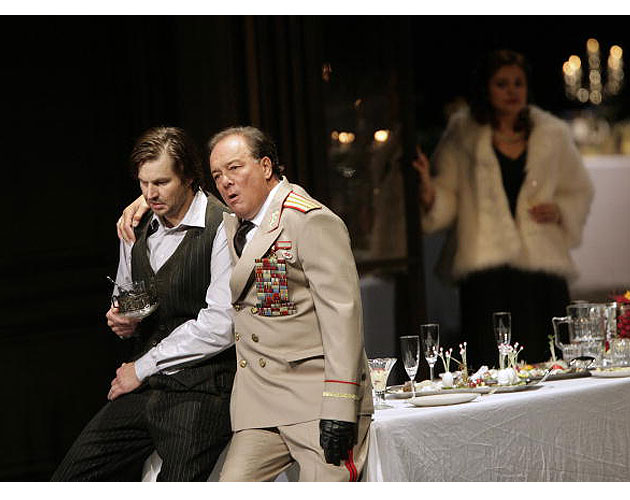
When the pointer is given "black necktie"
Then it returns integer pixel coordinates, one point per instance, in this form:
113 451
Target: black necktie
241 234
153 227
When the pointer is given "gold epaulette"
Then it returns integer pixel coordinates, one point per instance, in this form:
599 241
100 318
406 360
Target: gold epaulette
300 203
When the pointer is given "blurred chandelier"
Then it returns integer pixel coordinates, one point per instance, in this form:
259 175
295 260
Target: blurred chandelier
592 88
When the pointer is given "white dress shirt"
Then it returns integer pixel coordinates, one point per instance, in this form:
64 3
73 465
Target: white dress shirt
257 221
212 331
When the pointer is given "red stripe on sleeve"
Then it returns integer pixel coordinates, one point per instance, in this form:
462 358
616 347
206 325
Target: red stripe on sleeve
341 382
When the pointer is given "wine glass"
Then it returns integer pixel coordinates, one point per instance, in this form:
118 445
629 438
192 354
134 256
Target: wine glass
410 352
430 334
379 372
502 323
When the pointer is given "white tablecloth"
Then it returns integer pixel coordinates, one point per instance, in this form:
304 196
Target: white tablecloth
570 430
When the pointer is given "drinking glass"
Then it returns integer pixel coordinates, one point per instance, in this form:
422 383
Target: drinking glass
379 372
611 320
588 327
136 299
620 351
571 351
430 334
502 323
410 352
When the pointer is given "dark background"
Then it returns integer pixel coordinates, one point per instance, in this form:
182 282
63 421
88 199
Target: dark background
77 91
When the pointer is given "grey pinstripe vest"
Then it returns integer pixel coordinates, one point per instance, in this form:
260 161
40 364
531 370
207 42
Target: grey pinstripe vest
182 281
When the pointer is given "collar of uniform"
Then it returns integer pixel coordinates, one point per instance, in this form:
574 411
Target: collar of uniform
260 216
195 216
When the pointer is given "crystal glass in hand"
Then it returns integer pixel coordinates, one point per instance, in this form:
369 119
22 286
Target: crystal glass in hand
136 299
379 373
502 324
410 353
430 334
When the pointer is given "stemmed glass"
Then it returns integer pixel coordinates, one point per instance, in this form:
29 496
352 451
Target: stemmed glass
430 334
410 352
379 372
502 323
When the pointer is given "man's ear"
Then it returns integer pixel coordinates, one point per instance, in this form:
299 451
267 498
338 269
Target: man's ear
267 167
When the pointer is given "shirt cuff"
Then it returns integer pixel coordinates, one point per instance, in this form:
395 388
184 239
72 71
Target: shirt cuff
145 366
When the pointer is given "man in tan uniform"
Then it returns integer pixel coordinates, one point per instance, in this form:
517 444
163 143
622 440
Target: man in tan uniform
302 390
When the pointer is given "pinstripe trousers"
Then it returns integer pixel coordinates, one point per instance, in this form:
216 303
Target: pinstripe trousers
188 426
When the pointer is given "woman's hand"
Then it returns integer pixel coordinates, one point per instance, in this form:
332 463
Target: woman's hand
130 218
545 213
427 191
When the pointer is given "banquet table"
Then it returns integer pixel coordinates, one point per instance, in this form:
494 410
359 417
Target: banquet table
565 430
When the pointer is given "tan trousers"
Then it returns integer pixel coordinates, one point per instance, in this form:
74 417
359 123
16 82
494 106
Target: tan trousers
262 454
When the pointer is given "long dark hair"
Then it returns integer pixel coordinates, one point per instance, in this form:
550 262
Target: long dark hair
480 106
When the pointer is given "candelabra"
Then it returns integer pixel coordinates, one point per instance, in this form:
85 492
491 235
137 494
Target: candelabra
592 88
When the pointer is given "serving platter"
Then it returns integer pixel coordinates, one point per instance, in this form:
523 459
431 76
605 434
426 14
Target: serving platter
498 389
396 391
565 375
611 372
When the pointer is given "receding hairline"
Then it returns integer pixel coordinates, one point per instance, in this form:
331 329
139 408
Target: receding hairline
233 156
218 139
259 145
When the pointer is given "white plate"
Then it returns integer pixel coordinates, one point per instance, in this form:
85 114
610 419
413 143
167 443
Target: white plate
611 373
396 392
443 399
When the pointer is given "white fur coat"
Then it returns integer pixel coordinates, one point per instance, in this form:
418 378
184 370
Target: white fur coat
470 198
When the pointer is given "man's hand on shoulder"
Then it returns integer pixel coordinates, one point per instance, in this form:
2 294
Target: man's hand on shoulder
125 381
121 326
130 218
336 438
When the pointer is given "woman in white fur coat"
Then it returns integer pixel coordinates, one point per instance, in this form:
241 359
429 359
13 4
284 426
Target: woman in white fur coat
512 187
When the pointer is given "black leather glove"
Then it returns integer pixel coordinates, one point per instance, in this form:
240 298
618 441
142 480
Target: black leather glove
336 438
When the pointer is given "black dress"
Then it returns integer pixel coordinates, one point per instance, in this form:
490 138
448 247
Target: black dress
532 298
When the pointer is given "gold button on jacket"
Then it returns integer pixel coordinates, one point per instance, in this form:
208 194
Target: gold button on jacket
243 363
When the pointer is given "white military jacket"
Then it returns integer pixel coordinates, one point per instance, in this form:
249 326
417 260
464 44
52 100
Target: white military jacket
298 318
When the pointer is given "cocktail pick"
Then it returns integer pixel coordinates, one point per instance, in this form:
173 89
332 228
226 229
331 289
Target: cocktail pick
121 288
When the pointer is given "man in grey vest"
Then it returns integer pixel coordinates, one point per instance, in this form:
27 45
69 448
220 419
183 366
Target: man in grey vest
302 392
173 396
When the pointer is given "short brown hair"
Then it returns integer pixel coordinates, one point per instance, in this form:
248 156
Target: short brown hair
177 145
259 143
